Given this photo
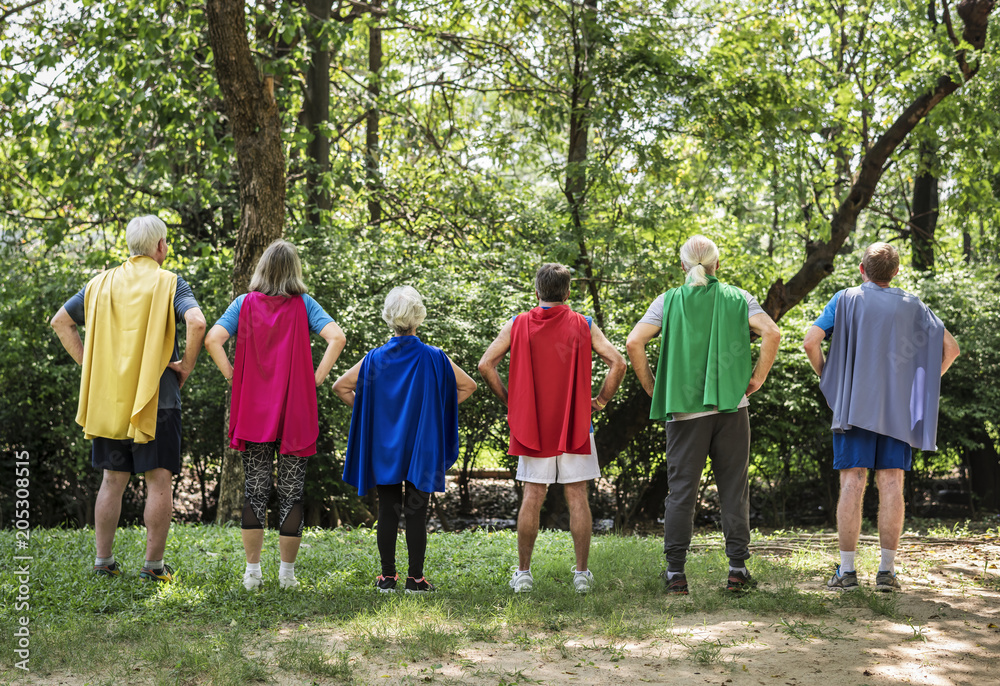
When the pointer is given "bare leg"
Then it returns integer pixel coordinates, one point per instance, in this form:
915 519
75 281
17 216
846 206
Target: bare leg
852 492
890 506
288 547
159 510
107 510
581 524
527 522
253 543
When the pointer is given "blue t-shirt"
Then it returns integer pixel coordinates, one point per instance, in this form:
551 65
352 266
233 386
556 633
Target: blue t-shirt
825 320
318 318
170 389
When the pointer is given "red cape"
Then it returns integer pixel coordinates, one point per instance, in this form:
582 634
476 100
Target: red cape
274 386
548 406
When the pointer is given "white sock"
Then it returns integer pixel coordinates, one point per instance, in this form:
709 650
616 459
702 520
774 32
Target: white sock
741 570
519 572
253 568
153 565
287 569
104 561
888 563
847 561
671 575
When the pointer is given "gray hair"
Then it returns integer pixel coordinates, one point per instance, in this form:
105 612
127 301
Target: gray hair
404 309
699 257
143 234
278 271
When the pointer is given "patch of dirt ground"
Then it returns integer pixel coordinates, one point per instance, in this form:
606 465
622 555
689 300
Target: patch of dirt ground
946 633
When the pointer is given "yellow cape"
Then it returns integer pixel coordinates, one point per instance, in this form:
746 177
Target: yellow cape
129 341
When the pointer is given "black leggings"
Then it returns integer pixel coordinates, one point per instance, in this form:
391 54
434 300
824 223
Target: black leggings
390 507
291 484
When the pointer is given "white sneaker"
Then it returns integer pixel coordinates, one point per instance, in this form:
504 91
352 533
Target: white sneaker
582 581
252 580
288 582
521 582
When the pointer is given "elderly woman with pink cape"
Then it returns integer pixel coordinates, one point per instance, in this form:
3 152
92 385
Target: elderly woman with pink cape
273 406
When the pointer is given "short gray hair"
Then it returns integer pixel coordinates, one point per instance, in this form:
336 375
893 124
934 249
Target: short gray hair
699 256
404 309
143 234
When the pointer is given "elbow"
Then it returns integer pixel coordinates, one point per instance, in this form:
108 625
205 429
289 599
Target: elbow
633 345
339 340
197 322
483 367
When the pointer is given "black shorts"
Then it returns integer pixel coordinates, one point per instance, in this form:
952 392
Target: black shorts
125 456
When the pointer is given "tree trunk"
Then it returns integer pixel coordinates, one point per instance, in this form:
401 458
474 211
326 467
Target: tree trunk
316 110
371 131
782 296
256 126
984 472
579 134
923 220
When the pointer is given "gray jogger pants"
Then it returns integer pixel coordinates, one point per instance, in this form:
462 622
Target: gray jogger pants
726 438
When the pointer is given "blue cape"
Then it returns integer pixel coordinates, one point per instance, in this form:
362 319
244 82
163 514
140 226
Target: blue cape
405 421
883 372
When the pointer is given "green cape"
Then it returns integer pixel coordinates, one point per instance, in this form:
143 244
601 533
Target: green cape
704 351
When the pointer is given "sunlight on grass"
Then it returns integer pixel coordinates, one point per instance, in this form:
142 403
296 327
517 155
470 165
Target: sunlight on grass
205 627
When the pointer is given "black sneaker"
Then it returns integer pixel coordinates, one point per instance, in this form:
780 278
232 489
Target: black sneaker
108 570
386 584
421 585
886 582
163 575
848 581
738 582
678 585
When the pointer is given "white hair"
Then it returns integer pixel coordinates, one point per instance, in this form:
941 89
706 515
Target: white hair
699 257
143 234
404 309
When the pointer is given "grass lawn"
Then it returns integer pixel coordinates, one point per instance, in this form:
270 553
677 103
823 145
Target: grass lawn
206 628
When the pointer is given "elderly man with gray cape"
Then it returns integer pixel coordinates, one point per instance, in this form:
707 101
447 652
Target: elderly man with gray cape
882 380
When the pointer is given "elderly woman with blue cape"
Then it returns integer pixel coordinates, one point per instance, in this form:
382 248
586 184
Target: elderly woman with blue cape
404 427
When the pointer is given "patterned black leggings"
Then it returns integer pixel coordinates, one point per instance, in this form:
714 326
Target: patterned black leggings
291 484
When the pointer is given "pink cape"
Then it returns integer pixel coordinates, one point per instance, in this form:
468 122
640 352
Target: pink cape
274 386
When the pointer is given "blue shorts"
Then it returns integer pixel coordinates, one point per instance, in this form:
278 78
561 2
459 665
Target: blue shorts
126 456
863 448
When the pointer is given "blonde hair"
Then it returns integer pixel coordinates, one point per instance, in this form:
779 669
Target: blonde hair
279 271
404 309
881 261
143 234
699 257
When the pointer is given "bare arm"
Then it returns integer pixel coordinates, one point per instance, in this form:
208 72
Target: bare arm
214 342
813 345
345 385
466 385
762 325
640 336
69 334
491 358
607 352
195 323
951 351
335 342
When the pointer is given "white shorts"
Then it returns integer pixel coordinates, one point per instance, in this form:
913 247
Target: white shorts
561 469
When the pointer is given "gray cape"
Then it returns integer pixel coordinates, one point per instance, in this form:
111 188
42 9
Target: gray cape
884 369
